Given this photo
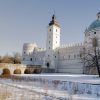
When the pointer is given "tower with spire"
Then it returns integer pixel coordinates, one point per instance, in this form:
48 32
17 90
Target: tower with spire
53 34
52 42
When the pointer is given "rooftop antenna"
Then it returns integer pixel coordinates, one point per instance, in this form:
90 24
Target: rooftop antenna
54 12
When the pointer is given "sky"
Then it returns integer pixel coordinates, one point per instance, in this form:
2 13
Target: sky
26 21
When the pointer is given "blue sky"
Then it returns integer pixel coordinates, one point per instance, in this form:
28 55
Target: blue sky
23 21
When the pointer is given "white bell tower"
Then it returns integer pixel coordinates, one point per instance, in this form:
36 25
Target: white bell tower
53 42
53 34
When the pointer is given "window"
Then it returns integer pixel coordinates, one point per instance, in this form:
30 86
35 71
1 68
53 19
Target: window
55 56
88 34
63 57
74 56
24 52
30 59
94 42
56 41
48 55
49 47
94 32
49 42
58 52
80 55
50 29
23 58
69 56
88 51
56 30
29 53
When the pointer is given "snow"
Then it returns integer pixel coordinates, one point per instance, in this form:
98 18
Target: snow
58 87
92 79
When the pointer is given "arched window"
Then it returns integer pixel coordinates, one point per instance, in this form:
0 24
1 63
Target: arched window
74 56
94 42
94 32
69 57
80 55
30 59
48 64
23 58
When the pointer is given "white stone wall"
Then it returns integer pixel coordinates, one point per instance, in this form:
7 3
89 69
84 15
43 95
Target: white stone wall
39 57
66 59
69 60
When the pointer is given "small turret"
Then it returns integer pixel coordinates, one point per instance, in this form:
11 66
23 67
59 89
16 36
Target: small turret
27 52
28 48
98 15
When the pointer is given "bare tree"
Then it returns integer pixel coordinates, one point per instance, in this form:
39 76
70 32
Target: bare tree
0 59
91 58
17 58
6 59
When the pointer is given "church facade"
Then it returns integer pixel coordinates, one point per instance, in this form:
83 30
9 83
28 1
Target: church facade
58 58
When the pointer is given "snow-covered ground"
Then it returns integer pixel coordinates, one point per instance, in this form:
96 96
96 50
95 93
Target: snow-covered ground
57 86
92 79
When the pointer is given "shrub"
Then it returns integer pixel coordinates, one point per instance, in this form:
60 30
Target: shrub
17 71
